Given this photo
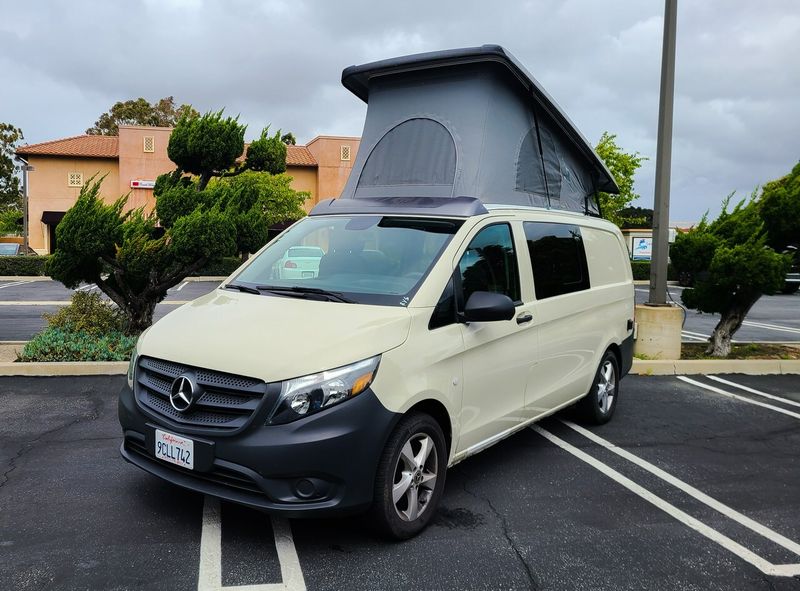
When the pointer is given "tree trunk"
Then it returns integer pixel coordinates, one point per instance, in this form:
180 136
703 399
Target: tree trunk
719 344
140 314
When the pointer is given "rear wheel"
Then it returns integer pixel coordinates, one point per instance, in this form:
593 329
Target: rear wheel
598 406
410 477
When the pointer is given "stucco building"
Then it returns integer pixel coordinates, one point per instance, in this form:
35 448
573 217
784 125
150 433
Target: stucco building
132 161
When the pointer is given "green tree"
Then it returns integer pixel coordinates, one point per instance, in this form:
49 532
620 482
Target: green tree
623 167
267 153
289 139
135 257
732 266
206 146
162 113
780 210
10 195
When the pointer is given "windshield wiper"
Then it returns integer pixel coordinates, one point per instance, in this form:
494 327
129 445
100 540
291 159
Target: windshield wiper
243 288
331 295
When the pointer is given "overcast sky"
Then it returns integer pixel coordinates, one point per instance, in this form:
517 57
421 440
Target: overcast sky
737 110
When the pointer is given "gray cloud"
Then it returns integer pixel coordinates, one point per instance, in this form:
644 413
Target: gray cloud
736 114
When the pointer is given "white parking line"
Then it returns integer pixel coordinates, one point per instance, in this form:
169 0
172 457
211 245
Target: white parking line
14 284
760 529
777 327
89 287
737 397
210 573
753 391
782 570
182 285
690 336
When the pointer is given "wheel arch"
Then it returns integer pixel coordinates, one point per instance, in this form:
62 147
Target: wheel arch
439 413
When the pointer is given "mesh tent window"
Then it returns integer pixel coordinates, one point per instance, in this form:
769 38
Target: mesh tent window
416 152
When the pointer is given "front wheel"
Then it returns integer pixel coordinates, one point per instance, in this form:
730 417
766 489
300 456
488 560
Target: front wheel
598 406
410 477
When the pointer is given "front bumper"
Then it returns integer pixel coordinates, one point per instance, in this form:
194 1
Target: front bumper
323 464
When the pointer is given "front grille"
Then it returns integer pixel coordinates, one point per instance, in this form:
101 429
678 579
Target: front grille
227 403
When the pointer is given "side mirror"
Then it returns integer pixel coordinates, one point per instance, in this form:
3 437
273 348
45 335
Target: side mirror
487 306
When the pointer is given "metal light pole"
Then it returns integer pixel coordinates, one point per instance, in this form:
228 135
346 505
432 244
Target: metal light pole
658 266
26 168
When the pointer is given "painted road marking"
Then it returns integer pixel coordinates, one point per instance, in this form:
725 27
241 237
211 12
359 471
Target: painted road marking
688 335
766 567
14 284
767 326
88 287
182 285
753 391
760 529
737 397
210 572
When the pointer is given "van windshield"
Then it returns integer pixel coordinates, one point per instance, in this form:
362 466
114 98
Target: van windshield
365 259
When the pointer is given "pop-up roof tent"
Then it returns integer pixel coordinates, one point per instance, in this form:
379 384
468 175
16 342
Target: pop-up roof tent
466 123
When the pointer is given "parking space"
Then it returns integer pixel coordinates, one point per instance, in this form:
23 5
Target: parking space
22 303
772 319
693 485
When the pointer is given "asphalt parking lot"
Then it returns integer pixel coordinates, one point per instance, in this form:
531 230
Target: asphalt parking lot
695 484
22 303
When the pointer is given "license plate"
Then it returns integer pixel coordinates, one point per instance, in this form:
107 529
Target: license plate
175 449
308 274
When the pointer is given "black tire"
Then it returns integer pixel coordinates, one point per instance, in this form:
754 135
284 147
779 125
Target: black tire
596 408
385 514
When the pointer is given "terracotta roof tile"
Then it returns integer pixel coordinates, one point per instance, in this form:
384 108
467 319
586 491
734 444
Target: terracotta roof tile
87 146
299 156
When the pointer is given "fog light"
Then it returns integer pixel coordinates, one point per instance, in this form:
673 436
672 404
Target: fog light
305 489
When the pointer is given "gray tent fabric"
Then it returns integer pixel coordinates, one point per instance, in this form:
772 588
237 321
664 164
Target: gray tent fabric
469 122
416 152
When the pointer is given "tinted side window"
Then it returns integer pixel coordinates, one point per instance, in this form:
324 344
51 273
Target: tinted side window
490 264
557 257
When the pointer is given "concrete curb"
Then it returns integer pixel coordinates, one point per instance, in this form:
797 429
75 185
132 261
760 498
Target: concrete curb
670 367
64 368
661 367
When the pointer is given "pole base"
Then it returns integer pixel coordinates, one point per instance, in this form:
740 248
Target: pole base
658 332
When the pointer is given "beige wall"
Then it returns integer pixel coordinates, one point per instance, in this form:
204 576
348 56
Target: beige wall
136 164
48 189
304 178
332 171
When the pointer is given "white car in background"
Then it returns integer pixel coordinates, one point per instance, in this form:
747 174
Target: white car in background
298 262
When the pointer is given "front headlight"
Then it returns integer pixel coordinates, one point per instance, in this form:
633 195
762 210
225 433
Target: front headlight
304 396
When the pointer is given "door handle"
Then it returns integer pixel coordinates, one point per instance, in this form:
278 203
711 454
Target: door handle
524 317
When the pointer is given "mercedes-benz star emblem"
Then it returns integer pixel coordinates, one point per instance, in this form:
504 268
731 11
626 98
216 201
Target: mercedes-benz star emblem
181 396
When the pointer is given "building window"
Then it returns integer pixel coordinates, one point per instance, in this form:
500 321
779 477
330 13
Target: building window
149 144
75 179
344 152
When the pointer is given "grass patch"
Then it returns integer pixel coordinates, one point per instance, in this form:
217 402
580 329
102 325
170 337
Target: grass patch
742 351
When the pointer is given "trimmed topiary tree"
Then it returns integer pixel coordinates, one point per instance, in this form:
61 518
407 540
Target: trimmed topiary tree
135 257
732 266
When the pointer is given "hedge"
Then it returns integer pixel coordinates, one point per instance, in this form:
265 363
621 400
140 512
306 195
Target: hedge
23 265
221 268
641 271
55 344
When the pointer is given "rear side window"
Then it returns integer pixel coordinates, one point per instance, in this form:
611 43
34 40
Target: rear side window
558 258
490 264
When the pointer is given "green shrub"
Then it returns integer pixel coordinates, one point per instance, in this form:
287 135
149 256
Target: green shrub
23 265
641 271
56 344
88 313
221 268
